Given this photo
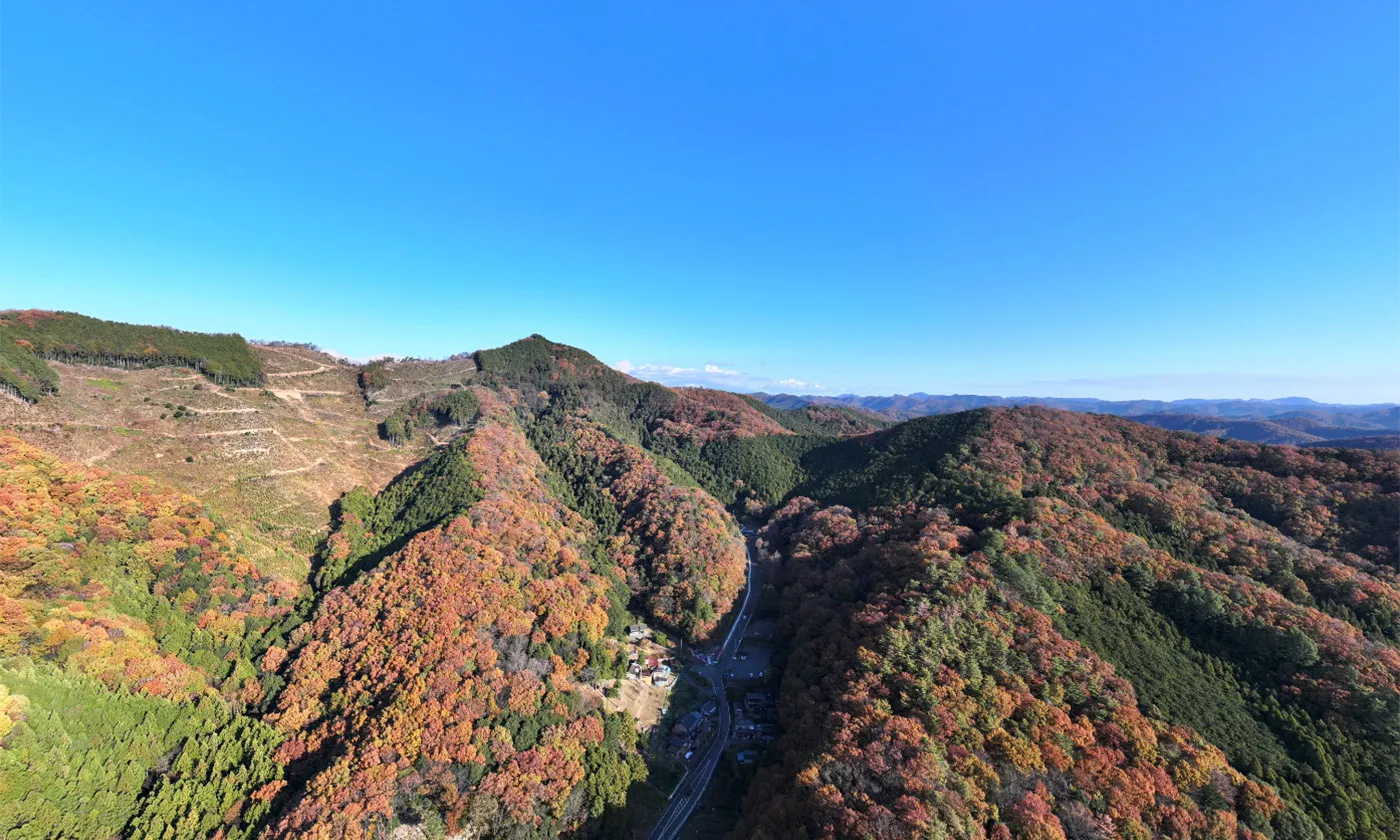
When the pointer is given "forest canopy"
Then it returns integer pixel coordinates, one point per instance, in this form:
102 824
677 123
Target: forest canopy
70 337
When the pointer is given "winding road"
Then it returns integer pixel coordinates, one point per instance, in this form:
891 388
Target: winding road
697 778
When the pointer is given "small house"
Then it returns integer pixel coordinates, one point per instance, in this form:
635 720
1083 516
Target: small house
691 722
755 701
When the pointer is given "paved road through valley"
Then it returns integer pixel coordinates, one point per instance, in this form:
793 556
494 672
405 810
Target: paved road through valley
701 768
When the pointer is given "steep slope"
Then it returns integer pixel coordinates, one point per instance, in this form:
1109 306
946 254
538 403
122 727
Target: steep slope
439 502
921 699
126 581
442 681
1239 603
679 548
652 413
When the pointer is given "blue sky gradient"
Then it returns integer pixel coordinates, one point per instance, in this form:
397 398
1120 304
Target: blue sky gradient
1074 199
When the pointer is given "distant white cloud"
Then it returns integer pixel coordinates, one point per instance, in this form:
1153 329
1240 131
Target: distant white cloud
711 375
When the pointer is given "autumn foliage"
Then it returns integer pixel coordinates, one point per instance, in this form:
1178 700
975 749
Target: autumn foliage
682 551
123 580
918 694
446 674
128 623
703 414
950 654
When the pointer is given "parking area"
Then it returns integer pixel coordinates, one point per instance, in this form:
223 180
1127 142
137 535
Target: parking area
761 630
753 662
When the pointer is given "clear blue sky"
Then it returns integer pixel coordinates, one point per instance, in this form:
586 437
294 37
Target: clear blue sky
1072 199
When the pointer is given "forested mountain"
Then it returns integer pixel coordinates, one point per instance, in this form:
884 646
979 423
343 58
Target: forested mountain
1292 420
1031 623
1254 431
1391 442
337 601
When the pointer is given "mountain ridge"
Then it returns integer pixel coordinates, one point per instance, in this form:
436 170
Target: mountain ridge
1290 420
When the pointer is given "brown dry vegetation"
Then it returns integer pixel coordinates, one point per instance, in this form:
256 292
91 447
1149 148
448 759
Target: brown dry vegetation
269 460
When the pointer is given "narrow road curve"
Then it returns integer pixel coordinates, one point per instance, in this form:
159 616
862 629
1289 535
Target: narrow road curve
697 778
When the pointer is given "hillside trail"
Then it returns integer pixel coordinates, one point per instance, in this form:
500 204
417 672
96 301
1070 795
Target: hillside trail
317 369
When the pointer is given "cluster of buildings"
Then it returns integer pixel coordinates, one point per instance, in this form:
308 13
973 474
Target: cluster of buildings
653 668
755 725
687 731
658 669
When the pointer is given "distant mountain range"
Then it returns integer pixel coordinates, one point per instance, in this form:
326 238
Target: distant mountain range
1291 420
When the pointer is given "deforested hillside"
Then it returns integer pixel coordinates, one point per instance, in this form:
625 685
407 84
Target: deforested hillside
271 458
1041 624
